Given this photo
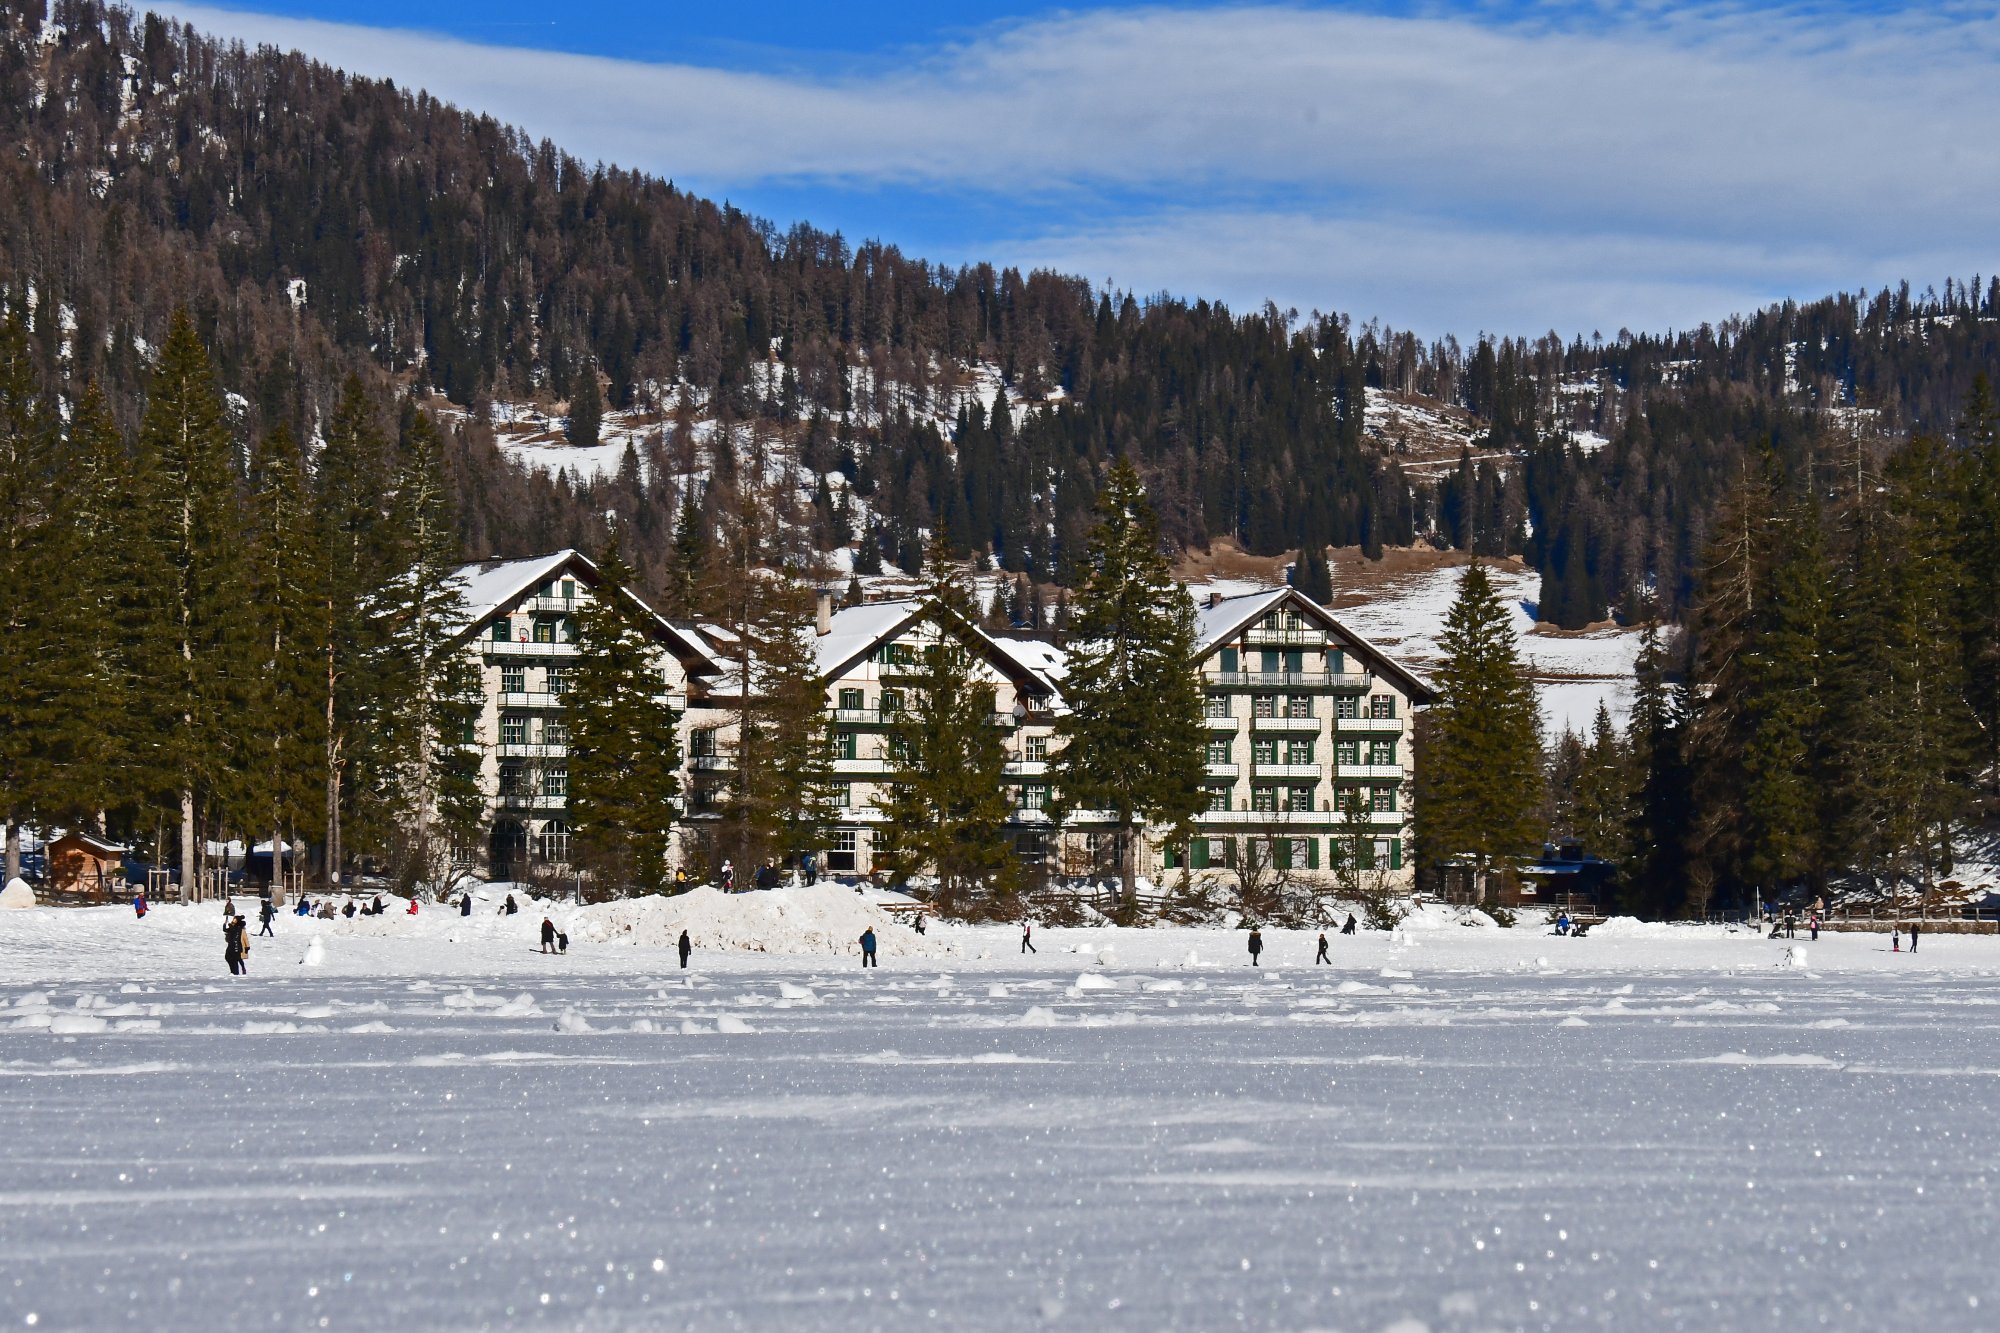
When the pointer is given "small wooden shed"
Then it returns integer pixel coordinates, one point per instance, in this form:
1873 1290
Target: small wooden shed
87 867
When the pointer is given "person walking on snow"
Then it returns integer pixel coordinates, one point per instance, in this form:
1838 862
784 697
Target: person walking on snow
1322 956
1256 945
868 948
687 947
1913 937
465 904
265 914
139 904
1348 929
232 945
1027 940
1895 939
548 935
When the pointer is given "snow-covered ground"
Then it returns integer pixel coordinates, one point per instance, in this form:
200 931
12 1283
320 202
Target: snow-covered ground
1451 1128
1404 614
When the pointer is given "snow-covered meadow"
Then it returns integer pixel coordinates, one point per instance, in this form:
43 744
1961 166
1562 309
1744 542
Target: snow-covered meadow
434 1125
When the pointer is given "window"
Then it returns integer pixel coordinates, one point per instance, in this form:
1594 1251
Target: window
553 842
702 742
512 774
513 680
1218 800
892 702
546 588
841 855
1298 752
1344 796
1383 800
1385 853
558 681
1299 798
1347 706
502 631
555 782
1028 845
850 701
569 590
545 631
1035 749
1216 705
1293 620
555 731
1263 705
897 654
1264 799
513 729
1274 621
1264 750
843 795
1218 751
1382 706
846 746
1382 752
1299 705
1034 797
1347 752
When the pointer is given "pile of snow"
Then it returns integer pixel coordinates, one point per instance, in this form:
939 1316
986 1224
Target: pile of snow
816 919
16 895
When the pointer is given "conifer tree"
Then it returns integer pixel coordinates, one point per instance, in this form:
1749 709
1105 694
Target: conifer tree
780 798
357 666
1311 575
31 652
432 698
586 410
285 723
191 523
1978 548
624 738
1133 743
688 561
948 806
1481 778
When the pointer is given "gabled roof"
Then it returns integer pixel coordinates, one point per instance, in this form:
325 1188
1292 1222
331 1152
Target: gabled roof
860 630
492 586
1223 620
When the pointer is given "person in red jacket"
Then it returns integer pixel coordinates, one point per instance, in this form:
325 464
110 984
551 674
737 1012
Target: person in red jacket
413 907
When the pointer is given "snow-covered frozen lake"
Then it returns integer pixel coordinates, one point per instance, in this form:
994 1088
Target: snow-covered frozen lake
1464 1129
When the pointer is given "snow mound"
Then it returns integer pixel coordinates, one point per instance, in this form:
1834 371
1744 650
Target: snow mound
16 896
315 953
816 919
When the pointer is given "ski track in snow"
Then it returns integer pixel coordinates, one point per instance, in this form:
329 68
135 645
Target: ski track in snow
1653 1127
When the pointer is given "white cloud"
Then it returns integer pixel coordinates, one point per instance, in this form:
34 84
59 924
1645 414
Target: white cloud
1576 171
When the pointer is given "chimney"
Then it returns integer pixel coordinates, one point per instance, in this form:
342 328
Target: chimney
1214 597
825 612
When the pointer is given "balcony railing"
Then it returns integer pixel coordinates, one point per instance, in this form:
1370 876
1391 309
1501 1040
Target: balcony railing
1295 638
711 763
861 767
1222 770
535 801
1375 771
1382 819
1026 768
530 699
1307 771
1308 725
1226 722
562 606
515 648
522 750
867 717
1369 726
1291 680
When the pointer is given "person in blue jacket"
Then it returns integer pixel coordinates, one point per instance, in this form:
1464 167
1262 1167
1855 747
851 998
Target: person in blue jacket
868 948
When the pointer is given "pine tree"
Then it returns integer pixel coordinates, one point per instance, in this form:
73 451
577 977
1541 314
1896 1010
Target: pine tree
432 698
1481 790
780 798
688 561
1977 490
1311 575
357 666
948 806
1133 744
31 651
1603 794
191 523
624 739
285 726
586 411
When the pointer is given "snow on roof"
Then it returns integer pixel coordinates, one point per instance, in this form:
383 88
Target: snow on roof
1216 622
489 585
1039 656
859 628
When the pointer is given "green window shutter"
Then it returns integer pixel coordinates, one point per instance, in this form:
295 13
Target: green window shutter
500 630
1295 662
1198 854
1336 662
1229 659
1395 853
1312 853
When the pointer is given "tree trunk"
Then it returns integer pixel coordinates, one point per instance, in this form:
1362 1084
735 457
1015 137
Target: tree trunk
13 849
189 869
277 866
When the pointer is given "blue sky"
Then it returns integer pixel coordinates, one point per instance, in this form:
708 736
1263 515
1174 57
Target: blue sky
1453 168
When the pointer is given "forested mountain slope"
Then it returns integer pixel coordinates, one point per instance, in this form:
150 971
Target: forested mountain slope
319 224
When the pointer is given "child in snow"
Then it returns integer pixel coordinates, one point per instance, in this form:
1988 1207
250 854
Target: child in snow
139 905
868 948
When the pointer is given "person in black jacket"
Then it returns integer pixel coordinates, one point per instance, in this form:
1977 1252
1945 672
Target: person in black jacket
686 947
265 914
868 947
465 904
1323 956
1256 945
234 946
1348 929
548 936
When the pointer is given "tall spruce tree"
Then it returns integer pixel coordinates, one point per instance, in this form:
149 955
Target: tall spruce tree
624 738
191 523
779 801
947 807
1654 875
432 698
31 648
285 726
1133 743
1481 779
357 666
1977 490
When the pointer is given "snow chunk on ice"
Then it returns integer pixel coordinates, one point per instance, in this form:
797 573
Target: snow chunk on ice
731 1023
572 1021
1094 981
1039 1016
